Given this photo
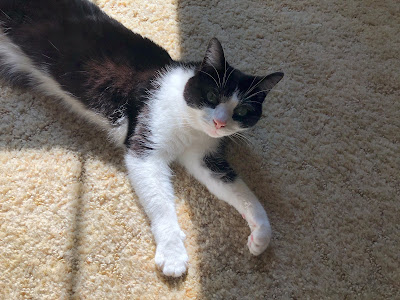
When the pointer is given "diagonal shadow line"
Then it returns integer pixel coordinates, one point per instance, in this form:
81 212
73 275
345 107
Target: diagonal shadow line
196 28
75 258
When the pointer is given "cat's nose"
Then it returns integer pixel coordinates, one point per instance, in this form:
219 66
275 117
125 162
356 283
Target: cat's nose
219 124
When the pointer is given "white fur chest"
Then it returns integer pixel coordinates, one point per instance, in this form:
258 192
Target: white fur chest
169 122
174 139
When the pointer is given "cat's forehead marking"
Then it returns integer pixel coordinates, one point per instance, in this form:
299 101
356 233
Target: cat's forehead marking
235 98
230 102
230 93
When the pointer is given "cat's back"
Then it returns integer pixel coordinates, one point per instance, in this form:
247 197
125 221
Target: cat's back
17 10
77 27
72 45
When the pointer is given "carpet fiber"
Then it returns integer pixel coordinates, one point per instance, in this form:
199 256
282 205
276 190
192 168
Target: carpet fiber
324 161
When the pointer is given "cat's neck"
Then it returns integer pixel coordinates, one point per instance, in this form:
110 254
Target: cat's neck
171 104
170 121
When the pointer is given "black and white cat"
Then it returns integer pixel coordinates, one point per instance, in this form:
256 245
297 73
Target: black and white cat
160 110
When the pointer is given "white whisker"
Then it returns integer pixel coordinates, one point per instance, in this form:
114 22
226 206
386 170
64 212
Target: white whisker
223 80
229 75
250 86
231 137
47 56
242 138
54 46
257 93
8 17
256 85
210 76
249 101
219 79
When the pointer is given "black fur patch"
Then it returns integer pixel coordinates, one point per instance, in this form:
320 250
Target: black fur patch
218 165
138 139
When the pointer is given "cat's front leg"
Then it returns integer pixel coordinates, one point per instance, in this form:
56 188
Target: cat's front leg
216 174
150 177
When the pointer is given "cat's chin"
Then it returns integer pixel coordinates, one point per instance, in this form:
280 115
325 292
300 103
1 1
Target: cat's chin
216 136
214 133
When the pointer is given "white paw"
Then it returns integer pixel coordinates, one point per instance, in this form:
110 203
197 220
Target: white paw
171 256
259 239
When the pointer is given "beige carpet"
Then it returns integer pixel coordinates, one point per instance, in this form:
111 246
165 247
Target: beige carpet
324 161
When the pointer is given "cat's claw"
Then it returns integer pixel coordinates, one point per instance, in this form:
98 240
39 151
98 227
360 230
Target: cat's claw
171 256
259 239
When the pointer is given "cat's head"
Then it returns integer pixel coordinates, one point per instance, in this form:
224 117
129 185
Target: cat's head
222 99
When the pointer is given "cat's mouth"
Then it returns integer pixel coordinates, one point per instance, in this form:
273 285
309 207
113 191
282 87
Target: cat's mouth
214 133
211 130
221 132
217 133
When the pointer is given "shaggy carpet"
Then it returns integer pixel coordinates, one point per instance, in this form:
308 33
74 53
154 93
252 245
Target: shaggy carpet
324 161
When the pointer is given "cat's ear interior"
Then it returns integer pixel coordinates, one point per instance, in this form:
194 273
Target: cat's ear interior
270 81
214 55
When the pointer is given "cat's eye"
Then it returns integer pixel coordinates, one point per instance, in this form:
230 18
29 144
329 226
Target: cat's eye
212 97
241 111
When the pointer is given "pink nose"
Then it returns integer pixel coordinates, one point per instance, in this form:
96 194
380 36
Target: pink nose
219 124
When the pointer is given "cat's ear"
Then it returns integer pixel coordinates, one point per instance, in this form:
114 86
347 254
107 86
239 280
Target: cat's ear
214 55
269 81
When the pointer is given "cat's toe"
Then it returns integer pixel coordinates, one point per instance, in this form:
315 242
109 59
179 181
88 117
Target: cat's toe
174 266
175 269
259 239
172 260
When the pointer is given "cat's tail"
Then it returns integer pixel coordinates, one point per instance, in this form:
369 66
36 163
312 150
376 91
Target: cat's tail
19 70
15 67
